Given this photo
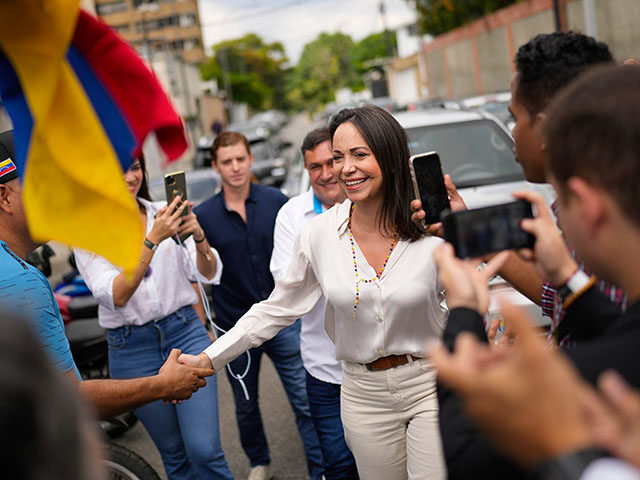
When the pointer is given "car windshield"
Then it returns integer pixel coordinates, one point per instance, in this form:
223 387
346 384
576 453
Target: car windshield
473 153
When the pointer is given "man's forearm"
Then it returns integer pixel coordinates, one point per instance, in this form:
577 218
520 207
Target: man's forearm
523 276
112 397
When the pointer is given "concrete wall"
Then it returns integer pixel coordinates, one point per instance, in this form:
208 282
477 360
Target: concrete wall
478 58
460 60
527 28
616 22
493 48
436 74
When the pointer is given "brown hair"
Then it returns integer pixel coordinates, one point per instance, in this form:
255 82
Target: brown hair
144 185
389 143
593 133
226 139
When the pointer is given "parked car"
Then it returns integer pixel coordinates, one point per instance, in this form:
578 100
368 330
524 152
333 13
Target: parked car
477 151
495 103
201 184
269 166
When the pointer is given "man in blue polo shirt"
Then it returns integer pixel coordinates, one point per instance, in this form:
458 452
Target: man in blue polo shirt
238 222
26 292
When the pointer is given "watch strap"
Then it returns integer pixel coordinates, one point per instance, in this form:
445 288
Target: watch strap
150 245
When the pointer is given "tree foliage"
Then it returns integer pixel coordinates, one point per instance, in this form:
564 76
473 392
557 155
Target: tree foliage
330 62
254 69
439 16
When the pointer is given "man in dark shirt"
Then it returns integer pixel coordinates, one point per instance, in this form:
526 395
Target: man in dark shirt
239 223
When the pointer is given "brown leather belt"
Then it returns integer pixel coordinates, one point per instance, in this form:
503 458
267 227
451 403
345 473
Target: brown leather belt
392 361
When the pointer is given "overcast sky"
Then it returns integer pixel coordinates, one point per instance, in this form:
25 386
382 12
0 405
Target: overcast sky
297 22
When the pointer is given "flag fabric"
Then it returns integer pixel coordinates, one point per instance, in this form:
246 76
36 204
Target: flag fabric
81 102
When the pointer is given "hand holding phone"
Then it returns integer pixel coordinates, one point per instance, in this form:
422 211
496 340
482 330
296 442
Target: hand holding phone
175 185
476 232
428 185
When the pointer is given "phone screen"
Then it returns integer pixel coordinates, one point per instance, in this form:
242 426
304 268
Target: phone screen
477 232
429 183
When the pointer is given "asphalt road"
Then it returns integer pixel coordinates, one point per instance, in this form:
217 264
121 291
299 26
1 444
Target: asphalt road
287 455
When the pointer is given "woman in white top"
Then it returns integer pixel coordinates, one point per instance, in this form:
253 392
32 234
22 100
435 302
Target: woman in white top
150 314
375 268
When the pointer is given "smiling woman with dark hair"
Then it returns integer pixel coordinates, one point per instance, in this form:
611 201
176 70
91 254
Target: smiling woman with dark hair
375 268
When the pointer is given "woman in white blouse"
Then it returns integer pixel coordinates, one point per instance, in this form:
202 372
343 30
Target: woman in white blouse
376 271
150 314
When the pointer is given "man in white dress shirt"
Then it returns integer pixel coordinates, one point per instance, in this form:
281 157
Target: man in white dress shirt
324 372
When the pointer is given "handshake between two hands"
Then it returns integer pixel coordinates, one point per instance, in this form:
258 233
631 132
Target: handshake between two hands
182 375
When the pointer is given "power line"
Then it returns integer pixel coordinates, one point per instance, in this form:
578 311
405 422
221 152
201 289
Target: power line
244 17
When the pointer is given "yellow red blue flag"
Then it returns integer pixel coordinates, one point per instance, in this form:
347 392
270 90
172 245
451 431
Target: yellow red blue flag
81 102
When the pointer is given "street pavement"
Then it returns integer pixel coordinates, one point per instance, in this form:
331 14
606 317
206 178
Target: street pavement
287 455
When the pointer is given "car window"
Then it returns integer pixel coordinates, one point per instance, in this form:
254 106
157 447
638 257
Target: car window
201 189
261 150
473 153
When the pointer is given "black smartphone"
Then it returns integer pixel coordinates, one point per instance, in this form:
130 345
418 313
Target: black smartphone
175 184
479 231
428 185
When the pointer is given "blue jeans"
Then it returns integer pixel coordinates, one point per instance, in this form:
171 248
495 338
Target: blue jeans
324 401
187 435
284 352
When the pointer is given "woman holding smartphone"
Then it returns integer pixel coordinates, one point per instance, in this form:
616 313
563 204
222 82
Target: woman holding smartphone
149 314
375 268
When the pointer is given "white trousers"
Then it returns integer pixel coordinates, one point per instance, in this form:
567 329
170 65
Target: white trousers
390 421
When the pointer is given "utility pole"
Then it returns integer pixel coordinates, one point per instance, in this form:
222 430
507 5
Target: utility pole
590 25
387 38
224 65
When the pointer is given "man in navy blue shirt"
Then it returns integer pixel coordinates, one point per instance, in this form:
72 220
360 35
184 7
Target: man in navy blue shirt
238 222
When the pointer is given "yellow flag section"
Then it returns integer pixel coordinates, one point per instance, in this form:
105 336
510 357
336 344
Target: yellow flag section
73 184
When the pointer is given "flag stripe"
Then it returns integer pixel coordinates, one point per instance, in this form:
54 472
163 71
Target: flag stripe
114 123
15 103
132 86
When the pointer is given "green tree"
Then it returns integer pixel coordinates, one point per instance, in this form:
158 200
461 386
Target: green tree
325 65
439 16
254 69
373 47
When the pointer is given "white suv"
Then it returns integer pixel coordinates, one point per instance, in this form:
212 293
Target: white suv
477 151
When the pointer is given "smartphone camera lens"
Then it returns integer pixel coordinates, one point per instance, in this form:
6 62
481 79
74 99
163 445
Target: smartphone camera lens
171 181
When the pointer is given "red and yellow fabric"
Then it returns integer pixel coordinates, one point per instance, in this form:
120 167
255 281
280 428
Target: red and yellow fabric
81 102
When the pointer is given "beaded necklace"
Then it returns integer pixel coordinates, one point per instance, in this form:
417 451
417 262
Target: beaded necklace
355 263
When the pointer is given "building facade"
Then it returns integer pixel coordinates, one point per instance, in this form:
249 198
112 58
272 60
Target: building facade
156 26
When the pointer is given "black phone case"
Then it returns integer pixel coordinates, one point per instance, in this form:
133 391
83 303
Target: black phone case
471 234
441 199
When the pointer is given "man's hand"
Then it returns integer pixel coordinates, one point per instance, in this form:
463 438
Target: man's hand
525 398
550 254
201 360
455 200
464 284
180 381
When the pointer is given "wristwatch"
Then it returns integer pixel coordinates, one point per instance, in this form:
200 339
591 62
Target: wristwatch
150 245
569 466
576 282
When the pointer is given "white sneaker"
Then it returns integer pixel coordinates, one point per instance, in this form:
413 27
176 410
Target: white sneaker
259 472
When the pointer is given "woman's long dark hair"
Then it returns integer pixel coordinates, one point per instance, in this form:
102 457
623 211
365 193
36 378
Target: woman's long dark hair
389 143
144 186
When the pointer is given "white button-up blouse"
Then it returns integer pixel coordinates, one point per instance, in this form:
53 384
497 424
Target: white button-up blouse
396 313
163 291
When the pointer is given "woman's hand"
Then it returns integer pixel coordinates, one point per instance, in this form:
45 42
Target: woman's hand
167 221
200 360
190 225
